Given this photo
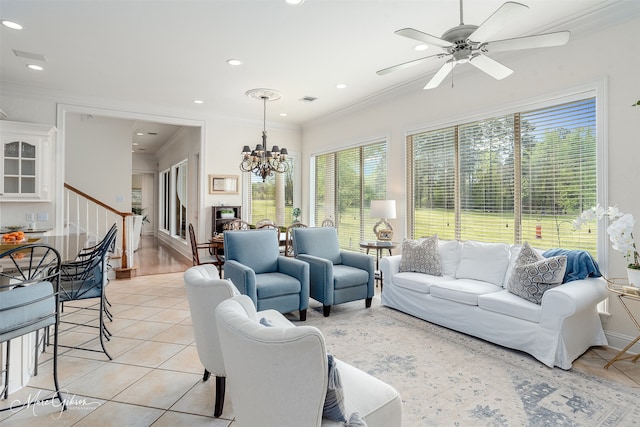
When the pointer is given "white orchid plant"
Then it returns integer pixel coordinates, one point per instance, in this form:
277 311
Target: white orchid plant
620 231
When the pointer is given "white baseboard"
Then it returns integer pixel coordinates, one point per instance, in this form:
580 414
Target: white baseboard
619 341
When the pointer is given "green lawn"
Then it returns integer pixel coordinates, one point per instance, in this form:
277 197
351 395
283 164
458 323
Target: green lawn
553 232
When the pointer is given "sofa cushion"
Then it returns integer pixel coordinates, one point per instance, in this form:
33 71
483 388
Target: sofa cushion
482 261
421 256
504 302
533 274
449 256
465 291
418 282
345 276
269 285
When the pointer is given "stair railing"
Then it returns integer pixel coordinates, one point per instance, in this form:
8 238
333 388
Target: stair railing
94 217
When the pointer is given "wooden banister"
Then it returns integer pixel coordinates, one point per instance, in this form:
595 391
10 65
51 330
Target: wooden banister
124 215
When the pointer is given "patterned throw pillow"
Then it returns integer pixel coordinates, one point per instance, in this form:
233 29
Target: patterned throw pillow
334 408
421 257
534 274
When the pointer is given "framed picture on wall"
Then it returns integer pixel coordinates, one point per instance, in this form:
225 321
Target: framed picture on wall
227 184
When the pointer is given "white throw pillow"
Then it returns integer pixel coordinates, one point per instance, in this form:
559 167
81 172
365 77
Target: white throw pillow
449 256
487 262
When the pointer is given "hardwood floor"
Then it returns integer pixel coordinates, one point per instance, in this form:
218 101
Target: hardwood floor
154 258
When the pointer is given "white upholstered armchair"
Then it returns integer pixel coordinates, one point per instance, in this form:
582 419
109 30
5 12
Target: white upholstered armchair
205 290
278 375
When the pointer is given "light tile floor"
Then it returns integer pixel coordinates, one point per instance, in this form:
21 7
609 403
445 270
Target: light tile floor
155 377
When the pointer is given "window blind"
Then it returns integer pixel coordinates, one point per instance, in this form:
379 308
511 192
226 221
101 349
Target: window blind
519 177
559 174
433 186
486 180
345 183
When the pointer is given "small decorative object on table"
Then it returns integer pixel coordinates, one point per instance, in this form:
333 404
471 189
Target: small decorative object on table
227 213
620 233
385 235
296 212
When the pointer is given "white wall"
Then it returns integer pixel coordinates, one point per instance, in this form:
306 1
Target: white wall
588 60
98 158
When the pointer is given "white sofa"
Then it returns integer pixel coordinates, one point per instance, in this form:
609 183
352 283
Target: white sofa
471 297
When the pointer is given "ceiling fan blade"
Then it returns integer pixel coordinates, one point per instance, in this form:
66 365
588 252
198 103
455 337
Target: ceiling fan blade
490 66
501 17
423 37
541 40
407 64
439 76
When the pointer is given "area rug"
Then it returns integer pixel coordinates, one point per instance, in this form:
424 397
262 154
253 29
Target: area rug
447 378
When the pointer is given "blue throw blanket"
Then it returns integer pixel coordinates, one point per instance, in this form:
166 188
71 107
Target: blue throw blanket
580 264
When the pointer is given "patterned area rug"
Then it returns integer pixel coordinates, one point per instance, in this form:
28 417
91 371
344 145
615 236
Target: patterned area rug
447 378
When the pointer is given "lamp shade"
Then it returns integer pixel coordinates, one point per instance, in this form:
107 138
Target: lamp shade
383 208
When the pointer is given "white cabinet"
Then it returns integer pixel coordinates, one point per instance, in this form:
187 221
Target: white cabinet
26 158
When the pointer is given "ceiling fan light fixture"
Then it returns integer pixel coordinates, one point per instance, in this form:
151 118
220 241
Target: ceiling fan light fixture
421 47
468 43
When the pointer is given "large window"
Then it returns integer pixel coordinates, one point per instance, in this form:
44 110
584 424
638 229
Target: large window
173 200
520 177
345 183
273 198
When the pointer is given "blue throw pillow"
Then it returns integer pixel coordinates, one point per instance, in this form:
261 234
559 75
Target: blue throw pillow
580 264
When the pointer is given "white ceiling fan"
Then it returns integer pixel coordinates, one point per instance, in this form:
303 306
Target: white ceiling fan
469 43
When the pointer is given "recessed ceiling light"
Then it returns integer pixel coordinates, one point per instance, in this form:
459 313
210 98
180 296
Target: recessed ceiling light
234 62
139 133
294 2
12 25
283 114
420 47
341 86
135 143
35 67
198 101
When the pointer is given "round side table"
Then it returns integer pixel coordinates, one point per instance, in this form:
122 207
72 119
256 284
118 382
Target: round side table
380 247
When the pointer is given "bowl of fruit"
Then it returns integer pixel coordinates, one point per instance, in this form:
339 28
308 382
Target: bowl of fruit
15 238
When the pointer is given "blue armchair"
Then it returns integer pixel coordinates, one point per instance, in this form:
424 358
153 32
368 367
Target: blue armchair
254 264
335 276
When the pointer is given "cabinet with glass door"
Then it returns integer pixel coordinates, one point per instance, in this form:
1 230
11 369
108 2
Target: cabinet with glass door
25 161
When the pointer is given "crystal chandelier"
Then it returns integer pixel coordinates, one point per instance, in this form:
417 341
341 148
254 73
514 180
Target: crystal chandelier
261 161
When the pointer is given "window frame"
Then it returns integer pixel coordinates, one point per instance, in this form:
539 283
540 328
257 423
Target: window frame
597 90
364 219
167 199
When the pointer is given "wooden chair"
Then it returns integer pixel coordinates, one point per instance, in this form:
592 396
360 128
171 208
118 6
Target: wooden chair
237 224
288 243
266 223
327 223
196 259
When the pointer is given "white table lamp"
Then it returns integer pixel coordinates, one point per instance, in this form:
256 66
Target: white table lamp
383 209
